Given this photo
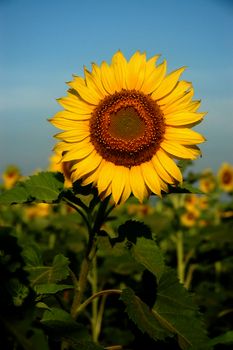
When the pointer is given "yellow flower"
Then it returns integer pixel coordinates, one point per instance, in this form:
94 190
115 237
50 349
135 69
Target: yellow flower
189 218
207 182
37 210
125 123
10 176
190 201
140 210
225 177
64 167
203 202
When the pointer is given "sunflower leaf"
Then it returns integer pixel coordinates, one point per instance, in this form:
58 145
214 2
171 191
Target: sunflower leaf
60 325
173 314
177 313
142 316
43 187
51 288
41 275
147 253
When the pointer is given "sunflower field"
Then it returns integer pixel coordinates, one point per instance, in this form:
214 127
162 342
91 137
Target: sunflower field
160 272
119 244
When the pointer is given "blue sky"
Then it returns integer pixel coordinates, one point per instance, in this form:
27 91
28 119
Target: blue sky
44 42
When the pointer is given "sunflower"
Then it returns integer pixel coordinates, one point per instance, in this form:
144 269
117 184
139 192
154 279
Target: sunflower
125 123
225 177
11 176
207 181
190 217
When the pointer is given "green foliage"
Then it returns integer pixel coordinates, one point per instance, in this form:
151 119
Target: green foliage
59 324
142 316
44 278
43 187
174 314
226 338
177 313
147 253
41 259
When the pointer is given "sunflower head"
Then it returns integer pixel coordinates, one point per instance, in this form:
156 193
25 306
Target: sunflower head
190 217
225 177
10 176
125 124
207 181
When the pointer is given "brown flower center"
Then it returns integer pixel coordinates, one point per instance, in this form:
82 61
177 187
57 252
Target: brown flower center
127 128
227 177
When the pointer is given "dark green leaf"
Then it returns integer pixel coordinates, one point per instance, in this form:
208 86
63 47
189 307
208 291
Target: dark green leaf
32 255
173 314
49 274
43 187
226 338
177 313
58 319
130 231
142 316
60 325
51 288
147 253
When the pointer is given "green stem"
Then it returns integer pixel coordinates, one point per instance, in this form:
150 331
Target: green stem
97 295
79 210
180 256
95 301
82 282
90 253
189 275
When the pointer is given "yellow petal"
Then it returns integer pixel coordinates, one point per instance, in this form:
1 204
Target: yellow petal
88 94
151 177
155 79
180 90
85 166
80 151
92 177
92 84
183 118
179 151
73 135
150 66
66 124
193 106
168 84
136 71
163 185
62 147
127 189
105 176
180 103
108 78
119 66
118 182
70 116
184 136
169 165
163 174
137 183
96 74
74 104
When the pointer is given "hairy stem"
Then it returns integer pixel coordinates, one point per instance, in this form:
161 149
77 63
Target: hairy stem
180 256
93 229
97 295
